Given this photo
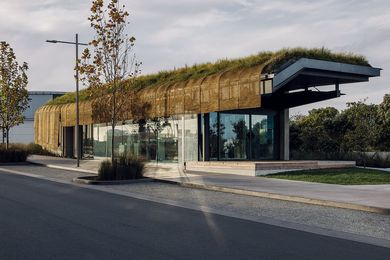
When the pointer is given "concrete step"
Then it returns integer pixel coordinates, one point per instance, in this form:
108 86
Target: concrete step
251 168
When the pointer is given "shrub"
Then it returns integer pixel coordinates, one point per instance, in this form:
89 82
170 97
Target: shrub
373 161
123 168
13 154
106 171
34 148
362 159
31 148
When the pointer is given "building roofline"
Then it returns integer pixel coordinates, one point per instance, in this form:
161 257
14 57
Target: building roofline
46 92
332 69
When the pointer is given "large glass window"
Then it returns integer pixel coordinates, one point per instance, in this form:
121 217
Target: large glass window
153 139
87 141
234 132
190 132
100 140
241 136
167 150
213 136
262 137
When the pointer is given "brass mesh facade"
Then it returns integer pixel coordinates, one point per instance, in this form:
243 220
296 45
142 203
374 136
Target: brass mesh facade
227 90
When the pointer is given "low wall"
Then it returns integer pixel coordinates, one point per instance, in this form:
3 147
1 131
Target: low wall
249 168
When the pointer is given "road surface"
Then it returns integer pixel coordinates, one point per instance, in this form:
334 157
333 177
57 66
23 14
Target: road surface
41 219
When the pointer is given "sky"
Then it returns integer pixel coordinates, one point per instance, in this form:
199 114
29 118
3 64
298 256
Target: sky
172 34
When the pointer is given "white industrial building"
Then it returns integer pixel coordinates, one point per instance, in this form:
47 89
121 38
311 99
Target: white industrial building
24 133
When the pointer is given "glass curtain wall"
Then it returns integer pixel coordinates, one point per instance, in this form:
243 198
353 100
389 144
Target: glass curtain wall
229 137
154 140
241 136
262 137
87 141
190 140
214 137
100 140
234 141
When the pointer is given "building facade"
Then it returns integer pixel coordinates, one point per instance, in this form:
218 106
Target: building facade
231 115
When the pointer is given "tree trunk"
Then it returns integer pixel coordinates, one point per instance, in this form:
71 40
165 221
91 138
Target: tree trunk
113 126
7 143
3 135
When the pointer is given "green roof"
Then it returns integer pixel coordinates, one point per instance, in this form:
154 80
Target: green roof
271 60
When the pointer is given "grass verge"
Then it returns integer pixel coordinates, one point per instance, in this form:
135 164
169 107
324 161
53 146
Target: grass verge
345 176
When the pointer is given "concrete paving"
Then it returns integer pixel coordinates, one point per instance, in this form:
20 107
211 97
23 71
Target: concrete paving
87 166
365 197
373 198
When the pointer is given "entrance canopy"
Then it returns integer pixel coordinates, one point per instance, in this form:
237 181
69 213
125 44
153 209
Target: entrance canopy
290 85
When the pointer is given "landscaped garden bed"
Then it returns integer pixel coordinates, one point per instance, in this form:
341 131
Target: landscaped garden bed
125 169
96 181
345 176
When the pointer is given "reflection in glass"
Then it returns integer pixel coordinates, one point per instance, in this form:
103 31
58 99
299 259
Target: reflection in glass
213 136
100 140
262 137
234 140
87 141
190 124
153 139
230 137
167 141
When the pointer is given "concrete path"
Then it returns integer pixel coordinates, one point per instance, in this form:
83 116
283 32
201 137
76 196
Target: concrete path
375 198
87 166
372 198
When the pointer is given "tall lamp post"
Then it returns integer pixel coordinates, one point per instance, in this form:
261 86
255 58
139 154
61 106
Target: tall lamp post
76 43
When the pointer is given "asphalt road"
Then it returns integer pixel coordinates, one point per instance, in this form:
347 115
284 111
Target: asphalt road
40 219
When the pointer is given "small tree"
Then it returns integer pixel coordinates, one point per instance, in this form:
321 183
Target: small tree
316 130
364 128
111 61
384 115
13 90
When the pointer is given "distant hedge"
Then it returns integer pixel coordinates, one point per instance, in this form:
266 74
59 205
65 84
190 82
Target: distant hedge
13 155
20 152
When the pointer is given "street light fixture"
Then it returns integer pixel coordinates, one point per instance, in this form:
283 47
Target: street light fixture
76 43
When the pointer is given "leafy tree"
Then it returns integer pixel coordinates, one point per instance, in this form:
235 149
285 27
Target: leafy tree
111 61
363 129
384 118
13 89
317 130
326 132
384 108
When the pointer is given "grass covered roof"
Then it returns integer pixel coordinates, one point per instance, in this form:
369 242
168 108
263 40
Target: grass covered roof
271 60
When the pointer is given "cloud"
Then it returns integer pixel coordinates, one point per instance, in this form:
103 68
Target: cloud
174 33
